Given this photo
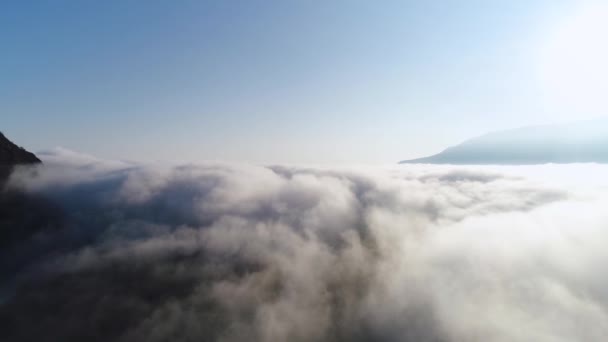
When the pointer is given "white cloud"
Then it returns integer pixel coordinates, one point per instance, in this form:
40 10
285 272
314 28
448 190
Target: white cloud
403 253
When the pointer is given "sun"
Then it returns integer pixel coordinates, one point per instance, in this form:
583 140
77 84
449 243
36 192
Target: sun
574 62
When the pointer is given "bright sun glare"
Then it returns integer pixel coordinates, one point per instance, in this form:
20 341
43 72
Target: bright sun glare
574 63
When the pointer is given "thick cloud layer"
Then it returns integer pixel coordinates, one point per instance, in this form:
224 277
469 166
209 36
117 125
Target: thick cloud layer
102 251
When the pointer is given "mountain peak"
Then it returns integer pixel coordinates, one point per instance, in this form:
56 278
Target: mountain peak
11 154
579 142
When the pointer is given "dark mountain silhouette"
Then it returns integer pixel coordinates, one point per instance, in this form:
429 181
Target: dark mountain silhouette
22 215
580 142
11 155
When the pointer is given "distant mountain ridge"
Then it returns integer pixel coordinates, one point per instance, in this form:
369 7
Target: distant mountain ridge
580 142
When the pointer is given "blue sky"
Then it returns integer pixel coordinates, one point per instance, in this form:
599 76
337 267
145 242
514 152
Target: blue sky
275 81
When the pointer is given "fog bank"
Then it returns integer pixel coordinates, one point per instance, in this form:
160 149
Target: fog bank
101 251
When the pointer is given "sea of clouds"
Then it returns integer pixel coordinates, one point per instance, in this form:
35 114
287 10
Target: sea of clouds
95 250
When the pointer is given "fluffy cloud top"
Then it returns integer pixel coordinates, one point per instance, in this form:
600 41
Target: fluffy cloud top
125 252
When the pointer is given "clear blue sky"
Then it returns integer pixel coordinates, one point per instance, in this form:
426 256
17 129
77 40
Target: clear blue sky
272 81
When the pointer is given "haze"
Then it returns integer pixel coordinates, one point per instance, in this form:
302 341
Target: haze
227 171
298 82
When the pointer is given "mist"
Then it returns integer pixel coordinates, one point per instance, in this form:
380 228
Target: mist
102 250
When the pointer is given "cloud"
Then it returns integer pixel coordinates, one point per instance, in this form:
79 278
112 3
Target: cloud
226 252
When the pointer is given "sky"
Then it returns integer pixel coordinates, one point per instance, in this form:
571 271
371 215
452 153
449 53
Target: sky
293 81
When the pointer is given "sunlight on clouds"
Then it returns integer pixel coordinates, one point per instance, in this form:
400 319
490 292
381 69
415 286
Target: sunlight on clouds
421 253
